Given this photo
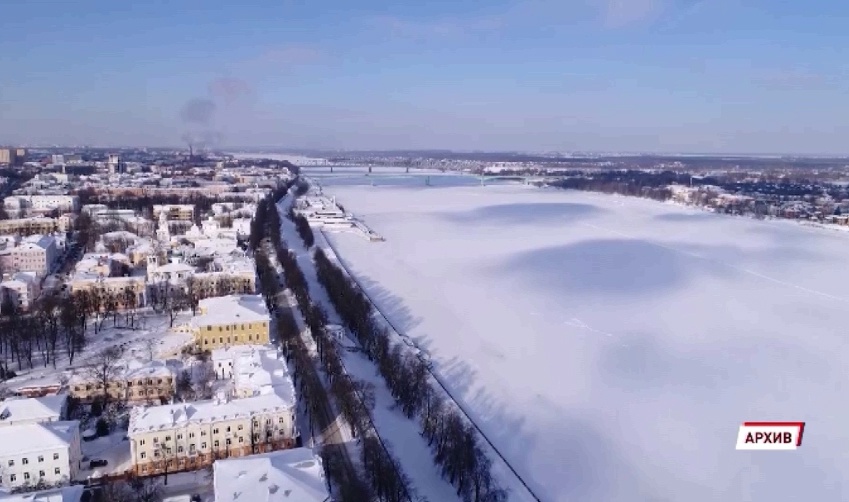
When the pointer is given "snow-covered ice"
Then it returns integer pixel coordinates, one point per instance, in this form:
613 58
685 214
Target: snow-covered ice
611 347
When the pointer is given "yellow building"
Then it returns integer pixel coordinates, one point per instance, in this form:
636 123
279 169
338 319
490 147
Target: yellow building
190 436
137 382
8 156
230 320
118 287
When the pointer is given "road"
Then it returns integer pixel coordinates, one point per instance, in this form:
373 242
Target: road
332 436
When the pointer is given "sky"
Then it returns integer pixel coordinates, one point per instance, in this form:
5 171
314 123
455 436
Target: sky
702 76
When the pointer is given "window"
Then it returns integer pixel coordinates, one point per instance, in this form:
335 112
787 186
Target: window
168 450
26 475
11 463
240 427
25 461
241 439
57 471
143 455
203 446
55 456
228 442
215 431
159 380
155 440
12 478
156 453
167 438
41 458
215 444
41 474
281 420
141 441
209 328
191 448
203 433
179 436
228 428
191 435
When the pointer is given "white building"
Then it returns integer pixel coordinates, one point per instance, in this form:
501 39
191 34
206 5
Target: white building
37 253
254 370
293 475
32 410
73 493
40 203
21 289
33 453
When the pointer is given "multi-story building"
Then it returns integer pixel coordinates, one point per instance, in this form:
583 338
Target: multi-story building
137 383
30 226
37 254
295 474
230 320
189 436
47 453
21 204
175 212
8 156
123 288
21 154
21 289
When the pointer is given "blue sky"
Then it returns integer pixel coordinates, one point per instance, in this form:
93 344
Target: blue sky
605 75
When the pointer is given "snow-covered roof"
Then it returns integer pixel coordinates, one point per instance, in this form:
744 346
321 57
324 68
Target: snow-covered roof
175 267
27 438
150 418
231 309
73 493
292 475
15 410
261 371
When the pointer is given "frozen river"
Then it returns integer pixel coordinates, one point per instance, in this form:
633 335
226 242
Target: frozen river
611 347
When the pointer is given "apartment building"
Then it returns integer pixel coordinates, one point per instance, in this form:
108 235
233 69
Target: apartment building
23 204
296 475
174 212
122 287
189 436
230 320
31 226
47 453
21 289
8 156
137 383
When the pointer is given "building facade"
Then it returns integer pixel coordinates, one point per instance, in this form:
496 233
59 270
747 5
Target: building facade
230 320
46 453
189 436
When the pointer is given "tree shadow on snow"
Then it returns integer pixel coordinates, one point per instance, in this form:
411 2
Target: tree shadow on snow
558 453
391 305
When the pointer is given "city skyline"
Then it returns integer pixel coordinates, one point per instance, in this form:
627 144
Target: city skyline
524 75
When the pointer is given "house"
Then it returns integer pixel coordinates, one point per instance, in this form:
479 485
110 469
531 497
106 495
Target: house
230 320
73 493
189 436
47 453
295 475
32 410
174 212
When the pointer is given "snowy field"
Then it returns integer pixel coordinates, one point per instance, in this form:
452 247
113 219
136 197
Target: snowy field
610 346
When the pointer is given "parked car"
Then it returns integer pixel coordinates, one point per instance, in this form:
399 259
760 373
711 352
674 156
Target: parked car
98 462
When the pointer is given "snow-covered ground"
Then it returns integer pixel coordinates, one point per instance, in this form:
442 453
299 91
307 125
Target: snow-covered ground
611 346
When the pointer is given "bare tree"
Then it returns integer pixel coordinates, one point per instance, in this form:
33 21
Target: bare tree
105 368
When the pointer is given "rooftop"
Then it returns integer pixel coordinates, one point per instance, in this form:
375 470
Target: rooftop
26 438
35 409
72 493
292 475
151 418
231 309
